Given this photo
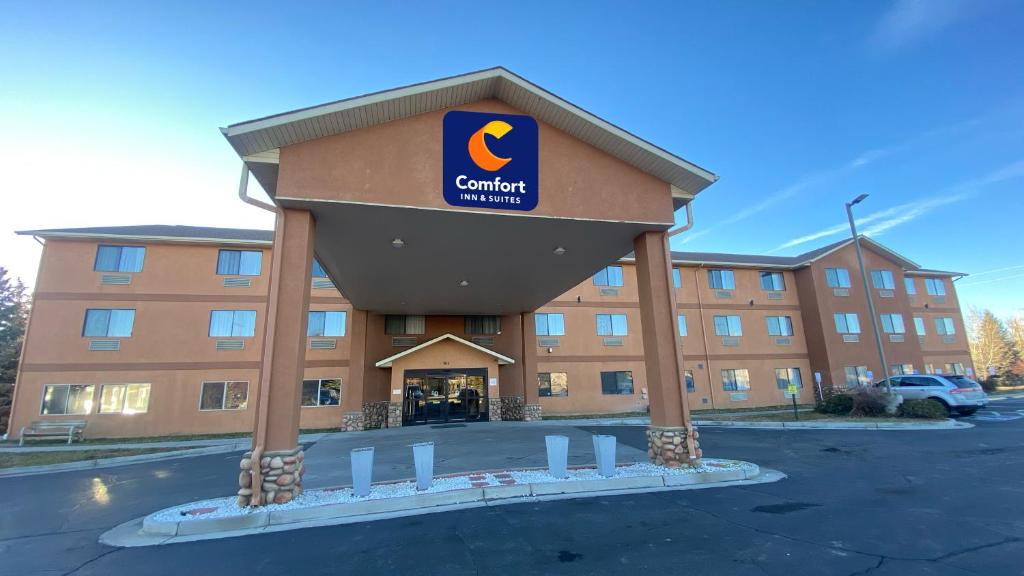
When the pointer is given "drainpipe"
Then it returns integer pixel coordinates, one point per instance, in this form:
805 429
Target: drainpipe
704 335
687 226
243 188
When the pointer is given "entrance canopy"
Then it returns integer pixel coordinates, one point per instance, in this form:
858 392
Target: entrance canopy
496 209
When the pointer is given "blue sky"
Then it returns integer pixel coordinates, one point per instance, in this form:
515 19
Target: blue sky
109 111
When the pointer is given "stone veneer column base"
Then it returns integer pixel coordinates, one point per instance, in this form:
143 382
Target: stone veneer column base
494 409
394 415
532 412
671 446
353 422
281 473
375 414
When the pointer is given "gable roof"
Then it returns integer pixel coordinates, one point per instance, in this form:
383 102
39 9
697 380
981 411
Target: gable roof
160 232
255 139
387 362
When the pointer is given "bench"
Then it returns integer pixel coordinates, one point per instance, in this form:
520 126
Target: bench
70 428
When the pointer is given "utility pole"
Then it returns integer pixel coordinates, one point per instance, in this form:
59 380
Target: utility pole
867 290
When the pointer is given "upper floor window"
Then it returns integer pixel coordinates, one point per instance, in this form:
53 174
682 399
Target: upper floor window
908 283
119 258
919 326
550 324
124 398
617 382
681 320
108 323
735 380
847 323
721 279
882 279
786 376
326 323
728 326
892 323
944 326
239 262
780 326
609 276
837 277
318 270
483 324
403 325
612 325
677 278
67 399
935 286
772 281
232 323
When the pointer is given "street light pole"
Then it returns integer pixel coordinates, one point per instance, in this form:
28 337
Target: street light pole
867 290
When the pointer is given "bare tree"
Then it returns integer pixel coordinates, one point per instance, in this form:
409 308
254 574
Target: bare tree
991 345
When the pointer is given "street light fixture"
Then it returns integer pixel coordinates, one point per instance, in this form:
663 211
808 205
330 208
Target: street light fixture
867 290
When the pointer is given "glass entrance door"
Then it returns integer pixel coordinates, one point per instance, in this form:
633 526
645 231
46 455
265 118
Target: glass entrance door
438 396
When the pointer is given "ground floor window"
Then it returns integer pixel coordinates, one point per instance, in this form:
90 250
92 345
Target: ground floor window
856 376
616 382
67 399
735 379
224 396
901 369
954 368
322 392
552 384
929 369
786 376
688 376
124 398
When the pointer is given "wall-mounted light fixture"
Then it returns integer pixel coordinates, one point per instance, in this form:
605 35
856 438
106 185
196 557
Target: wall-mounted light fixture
397 243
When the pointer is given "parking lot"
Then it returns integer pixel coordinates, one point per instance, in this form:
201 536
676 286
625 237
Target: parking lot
854 502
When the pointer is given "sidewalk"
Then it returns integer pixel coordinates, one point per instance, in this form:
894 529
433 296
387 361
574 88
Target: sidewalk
239 443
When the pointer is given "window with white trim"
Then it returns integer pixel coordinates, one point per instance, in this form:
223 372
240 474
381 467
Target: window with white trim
786 376
935 286
239 262
728 326
321 392
108 323
396 325
681 322
772 281
119 258
612 325
883 279
124 398
549 324
856 376
908 283
609 276
67 399
847 322
722 279
837 277
735 380
224 396
919 326
779 325
326 323
892 323
232 323
552 384
944 326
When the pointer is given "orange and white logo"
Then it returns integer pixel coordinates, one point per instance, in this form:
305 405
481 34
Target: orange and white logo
480 153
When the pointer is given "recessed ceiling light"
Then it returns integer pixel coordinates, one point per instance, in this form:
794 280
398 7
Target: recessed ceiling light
464 283
559 251
398 243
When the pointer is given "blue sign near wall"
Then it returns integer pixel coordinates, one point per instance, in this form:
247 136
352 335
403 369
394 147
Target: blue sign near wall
490 160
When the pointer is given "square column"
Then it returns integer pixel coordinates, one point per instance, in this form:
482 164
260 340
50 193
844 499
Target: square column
671 438
352 417
531 396
272 470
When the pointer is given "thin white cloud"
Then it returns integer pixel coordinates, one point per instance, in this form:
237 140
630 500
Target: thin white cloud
989 281
994 270
909 21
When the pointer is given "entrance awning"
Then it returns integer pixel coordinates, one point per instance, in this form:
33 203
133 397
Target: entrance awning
501 358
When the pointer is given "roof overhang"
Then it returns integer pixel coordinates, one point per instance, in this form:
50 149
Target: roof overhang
259 141
501 358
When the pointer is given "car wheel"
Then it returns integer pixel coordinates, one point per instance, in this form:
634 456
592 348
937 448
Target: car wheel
967 411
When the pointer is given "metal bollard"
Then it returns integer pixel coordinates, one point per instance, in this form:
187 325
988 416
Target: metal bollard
423 457
362 471
558 455
604 453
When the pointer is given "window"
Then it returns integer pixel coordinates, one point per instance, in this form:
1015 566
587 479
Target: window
892 323
326 323
119 258
688 376
616 383
239 262
124 398
728 326
681 320
483 324
609 276
677 279
847 323
232 323
837 277
401 325
901 369
108 323
882 279
856 376
772 281
224 396
944 326
612 325
935 286
780 326
549 324
67 399
318 270
721 279
323 392
929 369
734 380
786 376
552 384
954 368
908 283
919 326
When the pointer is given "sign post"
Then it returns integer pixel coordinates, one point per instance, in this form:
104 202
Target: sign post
792 390
817 380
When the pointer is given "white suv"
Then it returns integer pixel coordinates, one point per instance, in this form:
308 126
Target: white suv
955 392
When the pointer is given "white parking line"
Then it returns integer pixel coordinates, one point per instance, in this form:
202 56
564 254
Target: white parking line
993 416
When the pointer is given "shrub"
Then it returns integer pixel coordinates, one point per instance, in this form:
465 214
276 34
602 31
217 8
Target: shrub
836 403
868 401
922 409
6 395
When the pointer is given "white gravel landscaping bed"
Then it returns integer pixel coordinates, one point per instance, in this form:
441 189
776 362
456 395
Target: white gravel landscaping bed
227 507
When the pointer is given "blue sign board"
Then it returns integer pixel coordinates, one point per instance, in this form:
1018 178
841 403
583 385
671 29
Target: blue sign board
490 160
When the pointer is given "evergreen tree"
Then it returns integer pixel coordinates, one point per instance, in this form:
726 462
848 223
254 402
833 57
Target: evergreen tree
14 307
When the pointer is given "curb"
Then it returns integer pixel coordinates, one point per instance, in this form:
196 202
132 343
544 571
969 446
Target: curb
158 532
948 424
117 461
